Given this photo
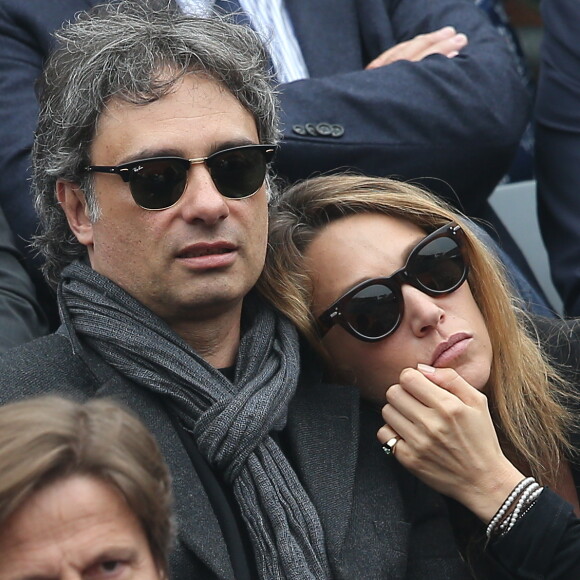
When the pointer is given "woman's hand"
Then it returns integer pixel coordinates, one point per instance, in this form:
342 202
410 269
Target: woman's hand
447 438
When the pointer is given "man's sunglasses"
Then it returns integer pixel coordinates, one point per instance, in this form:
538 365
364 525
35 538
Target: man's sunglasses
158 182
373 309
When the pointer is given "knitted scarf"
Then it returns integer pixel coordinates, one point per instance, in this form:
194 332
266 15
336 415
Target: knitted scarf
230 422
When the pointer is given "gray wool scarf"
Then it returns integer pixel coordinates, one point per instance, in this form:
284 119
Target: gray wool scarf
230 422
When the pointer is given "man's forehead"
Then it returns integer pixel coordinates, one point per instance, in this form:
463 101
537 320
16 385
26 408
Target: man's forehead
198 113
190 84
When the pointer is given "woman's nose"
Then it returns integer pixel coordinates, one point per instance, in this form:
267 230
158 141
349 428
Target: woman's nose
422 311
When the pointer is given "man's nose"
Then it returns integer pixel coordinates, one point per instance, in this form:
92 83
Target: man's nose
201 201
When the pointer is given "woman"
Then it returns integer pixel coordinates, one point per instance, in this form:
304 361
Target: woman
400 297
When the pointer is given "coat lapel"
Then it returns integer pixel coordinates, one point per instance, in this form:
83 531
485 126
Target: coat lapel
323 432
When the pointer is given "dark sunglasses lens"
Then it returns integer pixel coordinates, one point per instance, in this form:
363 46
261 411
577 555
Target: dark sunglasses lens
439 266
374 311
159 183
238 173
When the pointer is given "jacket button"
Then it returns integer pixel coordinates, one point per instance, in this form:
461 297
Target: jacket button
337 131
324 129
311 129
299 129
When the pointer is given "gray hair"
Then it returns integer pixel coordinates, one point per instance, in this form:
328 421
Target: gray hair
118 50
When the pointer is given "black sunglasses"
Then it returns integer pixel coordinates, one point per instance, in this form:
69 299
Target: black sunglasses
373 309
158 182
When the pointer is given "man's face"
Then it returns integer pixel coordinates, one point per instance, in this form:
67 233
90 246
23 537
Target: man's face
75 529
199 258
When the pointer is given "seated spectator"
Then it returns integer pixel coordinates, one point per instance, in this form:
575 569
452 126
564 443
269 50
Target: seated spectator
21 318
558 146
400 297
453 123
84 493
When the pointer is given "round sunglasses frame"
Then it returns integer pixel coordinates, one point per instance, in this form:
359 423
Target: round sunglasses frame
334 314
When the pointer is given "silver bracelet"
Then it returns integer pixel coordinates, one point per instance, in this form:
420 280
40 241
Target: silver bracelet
507 504
527 499
521 502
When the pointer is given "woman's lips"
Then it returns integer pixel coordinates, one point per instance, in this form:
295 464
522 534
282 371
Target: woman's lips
450 349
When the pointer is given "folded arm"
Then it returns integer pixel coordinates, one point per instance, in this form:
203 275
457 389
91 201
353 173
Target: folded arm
454 121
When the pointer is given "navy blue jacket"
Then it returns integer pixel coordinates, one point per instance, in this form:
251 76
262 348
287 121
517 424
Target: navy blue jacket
558 146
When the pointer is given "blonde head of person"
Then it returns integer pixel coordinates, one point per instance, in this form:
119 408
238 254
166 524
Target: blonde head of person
84 493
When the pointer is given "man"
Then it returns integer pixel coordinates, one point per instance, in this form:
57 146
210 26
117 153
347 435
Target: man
375 92
84 493
150 167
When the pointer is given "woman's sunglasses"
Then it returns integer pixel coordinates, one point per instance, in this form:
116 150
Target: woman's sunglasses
158 182
373 309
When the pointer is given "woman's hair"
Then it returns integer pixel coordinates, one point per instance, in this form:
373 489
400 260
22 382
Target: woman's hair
48 439
524 390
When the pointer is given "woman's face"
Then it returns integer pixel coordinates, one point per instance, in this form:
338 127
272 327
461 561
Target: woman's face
355 248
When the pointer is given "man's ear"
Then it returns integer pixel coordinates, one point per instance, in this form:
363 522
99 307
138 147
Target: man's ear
73 202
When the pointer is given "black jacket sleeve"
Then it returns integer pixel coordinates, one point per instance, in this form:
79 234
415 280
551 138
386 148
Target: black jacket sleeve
21 319
544 543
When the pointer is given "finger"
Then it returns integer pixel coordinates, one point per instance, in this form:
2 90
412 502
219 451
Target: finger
422 41
404 402
393 54
420 386
413 49
388 438
448 47
385 433
401 424
452 382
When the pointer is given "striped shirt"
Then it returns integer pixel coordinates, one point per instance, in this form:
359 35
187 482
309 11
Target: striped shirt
270 19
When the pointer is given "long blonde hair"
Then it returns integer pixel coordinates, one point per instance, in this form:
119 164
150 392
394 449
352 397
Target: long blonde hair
524 389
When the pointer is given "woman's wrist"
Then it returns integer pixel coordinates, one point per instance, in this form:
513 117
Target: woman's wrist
486 497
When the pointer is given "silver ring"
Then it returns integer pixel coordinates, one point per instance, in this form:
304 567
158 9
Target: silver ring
389 446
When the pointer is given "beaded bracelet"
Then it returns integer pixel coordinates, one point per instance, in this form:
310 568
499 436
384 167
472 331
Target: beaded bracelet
507 504
526 500
521 501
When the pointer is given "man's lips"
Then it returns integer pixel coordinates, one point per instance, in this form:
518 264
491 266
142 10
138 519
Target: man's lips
450 349
204 250
208 255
